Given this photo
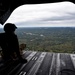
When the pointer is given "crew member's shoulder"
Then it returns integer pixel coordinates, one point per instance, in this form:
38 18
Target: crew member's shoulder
14 35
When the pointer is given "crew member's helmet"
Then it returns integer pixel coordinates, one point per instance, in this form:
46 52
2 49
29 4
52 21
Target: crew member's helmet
9 27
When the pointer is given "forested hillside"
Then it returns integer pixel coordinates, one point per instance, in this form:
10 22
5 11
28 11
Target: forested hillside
48 39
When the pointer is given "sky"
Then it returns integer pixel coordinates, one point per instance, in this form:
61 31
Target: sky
61 14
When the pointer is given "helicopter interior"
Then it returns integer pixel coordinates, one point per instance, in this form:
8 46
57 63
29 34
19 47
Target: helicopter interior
39 63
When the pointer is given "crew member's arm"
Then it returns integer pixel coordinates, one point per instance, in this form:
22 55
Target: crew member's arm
17 48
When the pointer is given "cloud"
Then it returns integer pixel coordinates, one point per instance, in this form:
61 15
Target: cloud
59 18
61 13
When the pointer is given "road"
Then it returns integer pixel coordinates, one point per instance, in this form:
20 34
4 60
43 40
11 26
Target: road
42 63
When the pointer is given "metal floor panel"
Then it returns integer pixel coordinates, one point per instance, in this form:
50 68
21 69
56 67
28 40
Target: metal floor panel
41 63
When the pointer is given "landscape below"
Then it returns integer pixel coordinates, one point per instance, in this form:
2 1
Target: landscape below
47 39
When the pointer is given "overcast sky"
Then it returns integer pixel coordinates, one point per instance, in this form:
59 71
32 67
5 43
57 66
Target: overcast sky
60 14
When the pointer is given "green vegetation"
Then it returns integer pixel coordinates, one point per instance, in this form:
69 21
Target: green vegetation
59 40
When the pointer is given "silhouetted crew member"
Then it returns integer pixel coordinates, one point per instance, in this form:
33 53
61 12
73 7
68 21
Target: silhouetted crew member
10 42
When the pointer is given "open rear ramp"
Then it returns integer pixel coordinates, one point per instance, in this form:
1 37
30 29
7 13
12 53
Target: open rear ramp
41 63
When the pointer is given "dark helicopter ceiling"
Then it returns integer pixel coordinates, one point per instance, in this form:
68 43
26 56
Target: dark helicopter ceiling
7 6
